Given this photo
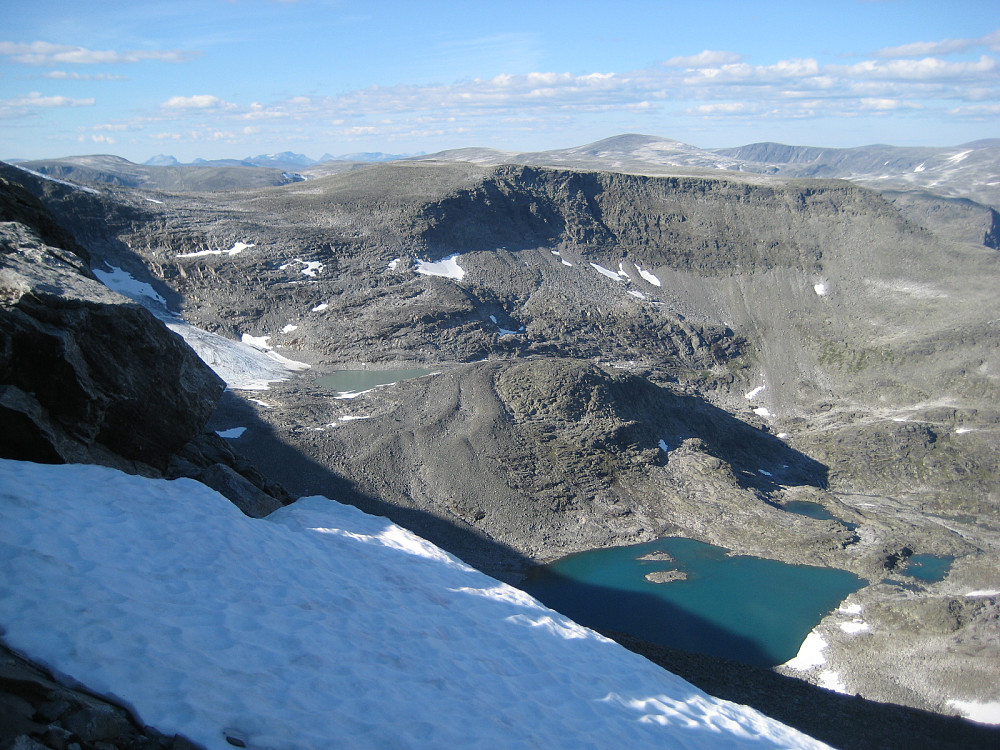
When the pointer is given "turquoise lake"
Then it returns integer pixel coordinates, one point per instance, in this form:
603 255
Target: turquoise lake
928 568
353 381
742 608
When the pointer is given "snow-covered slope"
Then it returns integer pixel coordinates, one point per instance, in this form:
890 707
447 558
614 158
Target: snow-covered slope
317 627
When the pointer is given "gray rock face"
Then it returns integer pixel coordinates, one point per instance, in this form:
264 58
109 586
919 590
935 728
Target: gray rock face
36 712
68 391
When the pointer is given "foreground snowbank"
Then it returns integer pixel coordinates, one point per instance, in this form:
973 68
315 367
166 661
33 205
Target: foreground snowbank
317 627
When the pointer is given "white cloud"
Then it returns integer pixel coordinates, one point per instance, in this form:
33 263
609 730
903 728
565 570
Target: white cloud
704 59
45 53
724 108
199 101
746 73
943 47
928 68
21 106
62 75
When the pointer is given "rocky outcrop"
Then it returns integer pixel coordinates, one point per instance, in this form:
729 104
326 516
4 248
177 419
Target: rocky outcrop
88 375
39 713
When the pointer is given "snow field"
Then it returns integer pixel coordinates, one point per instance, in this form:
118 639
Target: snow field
317 627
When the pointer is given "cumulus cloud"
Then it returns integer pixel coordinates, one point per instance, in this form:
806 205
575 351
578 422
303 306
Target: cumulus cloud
46 53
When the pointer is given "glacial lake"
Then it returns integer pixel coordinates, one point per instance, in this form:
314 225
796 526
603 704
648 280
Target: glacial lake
354 381
738 607
928 568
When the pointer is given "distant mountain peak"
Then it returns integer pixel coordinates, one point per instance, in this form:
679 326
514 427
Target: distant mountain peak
161 160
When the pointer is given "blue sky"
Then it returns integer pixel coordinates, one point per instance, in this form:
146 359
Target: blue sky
235 78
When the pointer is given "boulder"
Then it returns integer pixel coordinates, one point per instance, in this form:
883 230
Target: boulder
239 491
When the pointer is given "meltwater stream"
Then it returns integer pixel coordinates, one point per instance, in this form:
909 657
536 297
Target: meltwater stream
743 608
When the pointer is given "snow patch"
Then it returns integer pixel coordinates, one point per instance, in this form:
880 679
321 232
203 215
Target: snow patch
236 249
320 307
257 342
983 713
663 446
851 609
831 681
820 288
152 200
651 278
637 294
810 654
984 592
762 411
394 264
919 167
126 284
608 272
962 430
446 267
855 626
765 473
231 434
752 394
289 328
958 157
310 268
60 182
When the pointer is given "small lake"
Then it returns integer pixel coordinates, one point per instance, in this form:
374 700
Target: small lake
809 509
742 608
928 568
354 381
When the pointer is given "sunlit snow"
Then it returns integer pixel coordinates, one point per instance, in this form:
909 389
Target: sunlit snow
855 626
236 249
820 289
320 307
446 267
984 713
60 182
309 267
753 394
125 283
317 627
242 366
608 272
651 278
810 653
